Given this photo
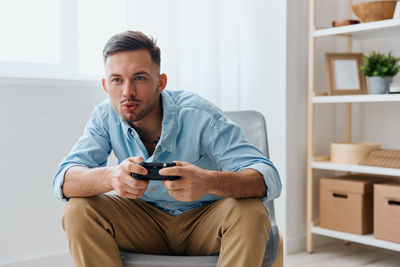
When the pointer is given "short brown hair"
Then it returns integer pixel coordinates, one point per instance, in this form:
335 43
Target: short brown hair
132 40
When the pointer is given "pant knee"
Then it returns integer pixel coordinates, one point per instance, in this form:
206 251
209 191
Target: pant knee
252 207
249 215
77 213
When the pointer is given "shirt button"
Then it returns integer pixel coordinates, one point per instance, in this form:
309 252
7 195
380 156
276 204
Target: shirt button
166 205
132 133
152 189
170 212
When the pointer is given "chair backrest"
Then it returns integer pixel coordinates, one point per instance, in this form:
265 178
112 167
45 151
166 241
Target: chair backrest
254 127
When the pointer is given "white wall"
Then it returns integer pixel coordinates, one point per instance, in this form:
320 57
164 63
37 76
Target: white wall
297 51
40 121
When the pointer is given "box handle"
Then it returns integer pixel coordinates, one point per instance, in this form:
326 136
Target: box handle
392 202
339 195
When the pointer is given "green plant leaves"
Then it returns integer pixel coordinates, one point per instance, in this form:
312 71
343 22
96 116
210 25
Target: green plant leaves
380 64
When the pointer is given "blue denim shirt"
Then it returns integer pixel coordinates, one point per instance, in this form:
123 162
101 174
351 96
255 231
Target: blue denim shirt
193 130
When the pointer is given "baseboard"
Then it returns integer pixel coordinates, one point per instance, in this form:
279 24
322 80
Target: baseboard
298 244
295 244
59 259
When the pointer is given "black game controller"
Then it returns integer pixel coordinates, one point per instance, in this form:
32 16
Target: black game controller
152 171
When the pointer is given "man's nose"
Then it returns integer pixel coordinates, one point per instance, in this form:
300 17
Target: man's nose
129 90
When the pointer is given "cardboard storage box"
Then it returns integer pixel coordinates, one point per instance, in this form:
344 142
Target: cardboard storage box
387 212
346 203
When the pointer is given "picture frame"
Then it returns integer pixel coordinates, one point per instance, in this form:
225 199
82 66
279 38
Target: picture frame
344 74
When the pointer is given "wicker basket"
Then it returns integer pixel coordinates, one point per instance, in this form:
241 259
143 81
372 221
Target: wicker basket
374 10
383 158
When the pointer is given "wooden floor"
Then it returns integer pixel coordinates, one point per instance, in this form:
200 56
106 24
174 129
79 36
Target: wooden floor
341 255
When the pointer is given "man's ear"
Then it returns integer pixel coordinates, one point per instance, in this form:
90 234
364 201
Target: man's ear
162 82
103 82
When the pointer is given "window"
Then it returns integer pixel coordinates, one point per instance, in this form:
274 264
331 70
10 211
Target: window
30 33
57 38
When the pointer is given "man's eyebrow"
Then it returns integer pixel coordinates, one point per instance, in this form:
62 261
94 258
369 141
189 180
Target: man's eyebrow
140 73
134 74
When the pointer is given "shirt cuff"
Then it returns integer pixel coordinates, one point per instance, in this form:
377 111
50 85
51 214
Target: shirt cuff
271 179
59 182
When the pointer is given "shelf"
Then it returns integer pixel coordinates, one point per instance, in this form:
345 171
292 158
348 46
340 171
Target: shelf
356 98
362 239
363 30
384 29
326 165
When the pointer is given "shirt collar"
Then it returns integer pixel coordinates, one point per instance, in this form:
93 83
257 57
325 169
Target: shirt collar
127 129
169 125
169 130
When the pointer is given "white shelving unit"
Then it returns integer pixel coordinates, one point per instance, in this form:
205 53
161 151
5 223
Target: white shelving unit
358 31
356 98
326 165
363 30
362 239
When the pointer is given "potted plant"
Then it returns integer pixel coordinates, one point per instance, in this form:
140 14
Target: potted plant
380 69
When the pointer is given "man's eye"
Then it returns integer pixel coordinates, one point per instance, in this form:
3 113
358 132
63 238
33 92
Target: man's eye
139 78
116 80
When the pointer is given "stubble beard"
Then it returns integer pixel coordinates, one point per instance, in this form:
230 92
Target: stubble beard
131 118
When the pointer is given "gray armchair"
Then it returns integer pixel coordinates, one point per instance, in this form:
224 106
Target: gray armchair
254 127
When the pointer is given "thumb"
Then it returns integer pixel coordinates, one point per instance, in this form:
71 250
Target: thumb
181 163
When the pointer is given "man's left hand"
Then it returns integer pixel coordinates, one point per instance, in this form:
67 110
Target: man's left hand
193 185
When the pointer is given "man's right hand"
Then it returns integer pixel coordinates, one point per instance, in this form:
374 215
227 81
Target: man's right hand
122 181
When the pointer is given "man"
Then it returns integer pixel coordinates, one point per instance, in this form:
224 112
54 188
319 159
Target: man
214 207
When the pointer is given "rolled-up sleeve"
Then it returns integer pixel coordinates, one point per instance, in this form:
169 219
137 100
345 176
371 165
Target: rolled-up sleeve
233 152
91 150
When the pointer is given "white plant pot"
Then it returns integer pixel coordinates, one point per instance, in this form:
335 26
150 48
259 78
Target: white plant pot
379 85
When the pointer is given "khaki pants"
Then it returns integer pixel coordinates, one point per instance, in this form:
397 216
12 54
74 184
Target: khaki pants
98 227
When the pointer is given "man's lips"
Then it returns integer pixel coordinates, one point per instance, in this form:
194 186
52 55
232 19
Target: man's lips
130 106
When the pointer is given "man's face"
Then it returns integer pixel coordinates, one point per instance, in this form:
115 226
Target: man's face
133 83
